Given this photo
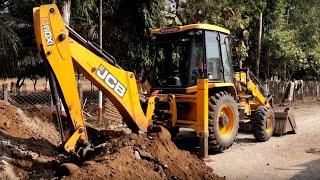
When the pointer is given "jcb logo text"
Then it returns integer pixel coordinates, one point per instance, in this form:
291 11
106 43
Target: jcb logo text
111 81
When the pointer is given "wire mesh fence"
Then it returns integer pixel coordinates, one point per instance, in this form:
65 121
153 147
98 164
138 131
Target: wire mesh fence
111 117
27 97
304 91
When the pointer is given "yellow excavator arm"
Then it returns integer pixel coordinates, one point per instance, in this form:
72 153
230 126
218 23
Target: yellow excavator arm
65 53
252 88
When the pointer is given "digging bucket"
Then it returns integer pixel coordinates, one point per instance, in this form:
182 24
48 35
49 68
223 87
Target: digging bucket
285 123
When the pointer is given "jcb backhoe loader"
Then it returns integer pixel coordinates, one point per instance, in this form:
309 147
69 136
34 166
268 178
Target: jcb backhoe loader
185 54
193 83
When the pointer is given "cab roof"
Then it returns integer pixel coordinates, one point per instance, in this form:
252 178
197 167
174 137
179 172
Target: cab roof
175 29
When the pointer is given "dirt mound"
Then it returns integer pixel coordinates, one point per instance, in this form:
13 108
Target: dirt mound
129 156
28 148
26 144
16 123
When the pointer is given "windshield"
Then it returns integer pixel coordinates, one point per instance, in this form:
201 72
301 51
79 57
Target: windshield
178 60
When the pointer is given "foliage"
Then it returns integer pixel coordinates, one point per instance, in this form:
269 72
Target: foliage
16 38
10 41
290 30
304 18
126 25
284 55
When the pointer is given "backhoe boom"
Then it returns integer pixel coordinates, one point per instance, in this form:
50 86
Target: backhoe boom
64 54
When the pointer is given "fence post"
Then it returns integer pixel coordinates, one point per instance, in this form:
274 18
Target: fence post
300 93
283 88
51 103
307 91
266 87
317 91
291 91
47 85
314 90
13 87
80 89
5 91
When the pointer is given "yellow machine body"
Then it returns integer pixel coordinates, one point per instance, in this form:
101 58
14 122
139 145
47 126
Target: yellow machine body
241 79
187 109
65 54
196 98
177 29
190 108
251 98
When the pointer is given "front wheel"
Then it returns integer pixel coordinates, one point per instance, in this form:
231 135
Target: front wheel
263 124
223 121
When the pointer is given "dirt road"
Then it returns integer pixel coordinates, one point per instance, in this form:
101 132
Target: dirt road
279 158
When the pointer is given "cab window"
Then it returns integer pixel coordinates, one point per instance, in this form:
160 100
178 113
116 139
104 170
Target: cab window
226 58
213 56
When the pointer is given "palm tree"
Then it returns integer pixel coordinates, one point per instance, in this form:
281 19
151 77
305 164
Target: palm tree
18 55
16 36
10 45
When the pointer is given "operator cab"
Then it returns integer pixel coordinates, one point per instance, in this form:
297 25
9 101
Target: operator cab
185 53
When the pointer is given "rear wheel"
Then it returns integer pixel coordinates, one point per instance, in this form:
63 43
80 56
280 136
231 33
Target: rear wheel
174 132
263 124
223 121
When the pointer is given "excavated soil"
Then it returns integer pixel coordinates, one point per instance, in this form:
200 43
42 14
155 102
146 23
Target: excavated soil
29 150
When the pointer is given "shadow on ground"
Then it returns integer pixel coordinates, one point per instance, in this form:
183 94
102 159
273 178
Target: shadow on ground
311 170
246 140
188 140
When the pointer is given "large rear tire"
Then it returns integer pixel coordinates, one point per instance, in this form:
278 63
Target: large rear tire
223 121
174 131
263 124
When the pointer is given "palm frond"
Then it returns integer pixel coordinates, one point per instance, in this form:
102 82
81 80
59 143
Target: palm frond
9 40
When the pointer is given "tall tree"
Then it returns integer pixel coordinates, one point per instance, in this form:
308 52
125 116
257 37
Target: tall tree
16 38
65 10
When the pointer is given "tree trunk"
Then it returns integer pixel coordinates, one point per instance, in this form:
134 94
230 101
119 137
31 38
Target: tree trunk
34 81
65 9
259 48
19 83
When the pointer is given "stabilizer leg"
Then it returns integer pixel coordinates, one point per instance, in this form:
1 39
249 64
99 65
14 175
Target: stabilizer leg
202 116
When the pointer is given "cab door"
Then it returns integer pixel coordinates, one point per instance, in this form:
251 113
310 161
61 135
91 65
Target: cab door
226 58
213 57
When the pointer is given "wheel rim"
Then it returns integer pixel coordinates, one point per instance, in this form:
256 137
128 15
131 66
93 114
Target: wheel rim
269 124
226 121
